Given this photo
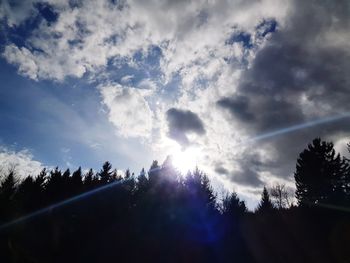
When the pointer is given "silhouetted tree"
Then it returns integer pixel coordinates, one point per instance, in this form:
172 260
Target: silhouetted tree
7 191
282 198
319 175
106 173
166 217
199 188
56 185
26 195
76 181
265 205
232 206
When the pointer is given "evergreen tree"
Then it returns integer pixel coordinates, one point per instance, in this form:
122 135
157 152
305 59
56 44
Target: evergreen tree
76 181
232 206
106 173
154 173
56 185
26 195
41 178
198 186
8 186
319 175
265 204
7 191
142 181
66 175
88 179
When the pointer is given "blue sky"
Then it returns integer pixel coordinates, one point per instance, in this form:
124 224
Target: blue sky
83 82
60 123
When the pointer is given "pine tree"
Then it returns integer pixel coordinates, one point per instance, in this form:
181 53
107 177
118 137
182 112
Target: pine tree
198 185
142 181
76 181
88 179
319 173
265 204
232 206
7 191
56 185
106 173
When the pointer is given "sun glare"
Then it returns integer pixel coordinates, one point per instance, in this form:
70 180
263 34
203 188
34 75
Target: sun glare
185 160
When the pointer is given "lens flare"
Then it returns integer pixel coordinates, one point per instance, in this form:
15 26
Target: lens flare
60 204
295 128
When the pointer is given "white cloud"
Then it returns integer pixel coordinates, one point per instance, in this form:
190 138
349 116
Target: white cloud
127 110
23 58
22 161
126 79
192 37
84 37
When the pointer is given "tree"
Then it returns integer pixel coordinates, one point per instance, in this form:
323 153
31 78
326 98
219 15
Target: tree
265 204
76 181
232 206
199 188
7 191
90 180
106 174
319 173
281 196
8 186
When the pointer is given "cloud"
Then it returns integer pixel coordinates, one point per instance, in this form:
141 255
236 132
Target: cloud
24 59
127 110
299 75
126 79
181 123
237 106
245 171
245 68
16 12
22 161
85 37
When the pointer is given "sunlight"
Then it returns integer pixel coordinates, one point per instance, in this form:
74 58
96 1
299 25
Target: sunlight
186 160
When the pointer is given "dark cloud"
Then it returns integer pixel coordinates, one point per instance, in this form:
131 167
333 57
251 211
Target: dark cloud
237 106
247 172
182 122
301 74
221 170
248 177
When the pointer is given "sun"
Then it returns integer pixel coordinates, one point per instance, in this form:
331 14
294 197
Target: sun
186 160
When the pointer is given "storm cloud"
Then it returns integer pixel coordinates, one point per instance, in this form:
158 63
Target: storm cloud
300 75
183 122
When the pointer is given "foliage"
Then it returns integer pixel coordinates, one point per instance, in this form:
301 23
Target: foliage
320 175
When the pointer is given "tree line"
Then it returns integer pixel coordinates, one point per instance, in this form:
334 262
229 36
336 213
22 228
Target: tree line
163 216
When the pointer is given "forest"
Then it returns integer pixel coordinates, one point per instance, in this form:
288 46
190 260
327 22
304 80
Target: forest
161 215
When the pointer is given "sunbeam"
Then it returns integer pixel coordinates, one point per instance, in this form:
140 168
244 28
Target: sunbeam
60 204
295 128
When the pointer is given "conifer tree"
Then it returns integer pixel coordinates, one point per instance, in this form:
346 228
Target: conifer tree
106 173
88 179
319 175
7 191
265 204
232 206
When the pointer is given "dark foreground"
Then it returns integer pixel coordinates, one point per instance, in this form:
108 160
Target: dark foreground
164 217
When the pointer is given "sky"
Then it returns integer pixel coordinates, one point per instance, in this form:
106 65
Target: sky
238 88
